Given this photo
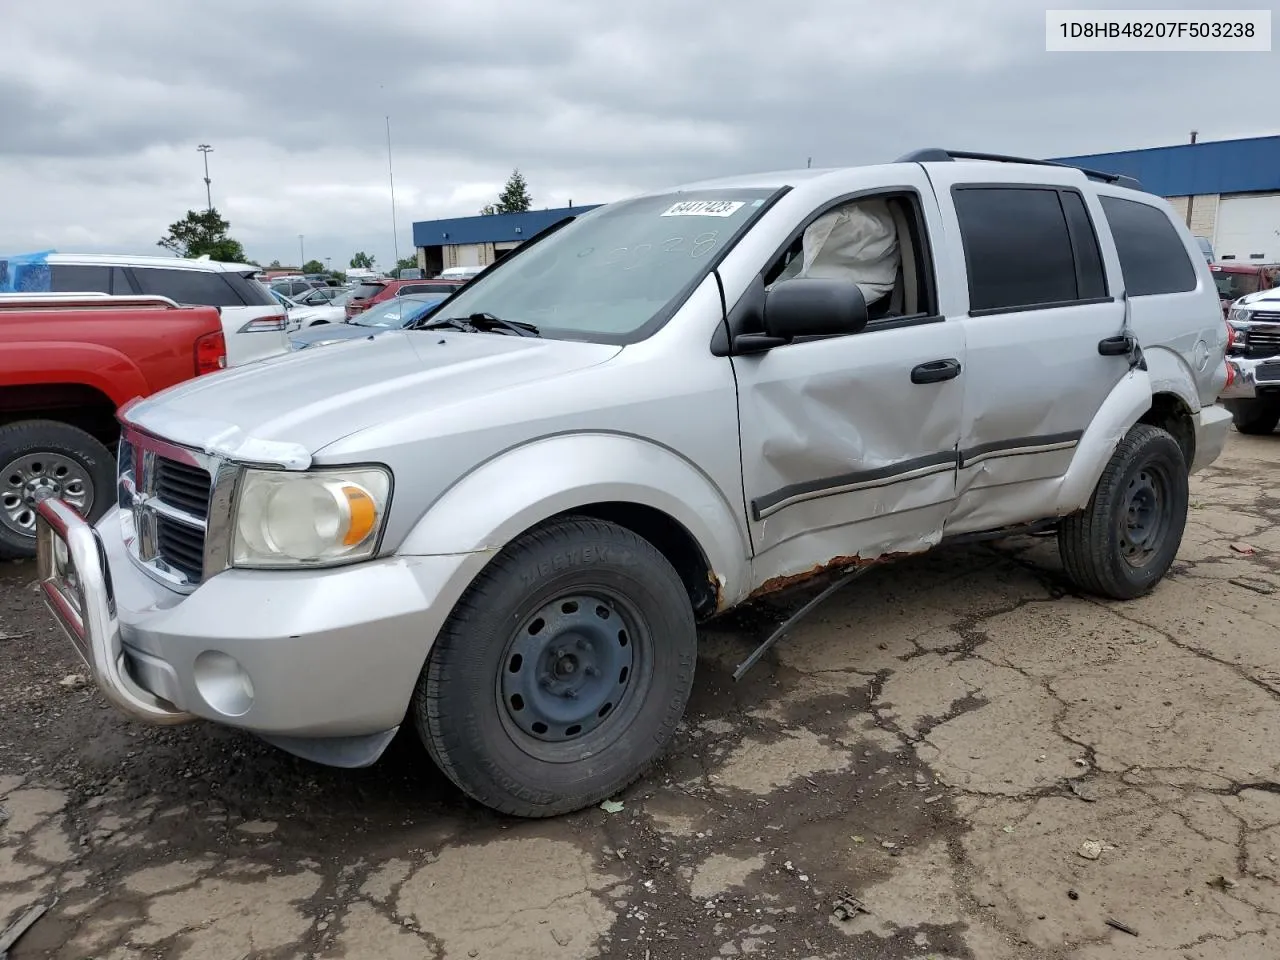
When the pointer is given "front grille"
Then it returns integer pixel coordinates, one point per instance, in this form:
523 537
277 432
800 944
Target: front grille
182 486
1265 316
180 547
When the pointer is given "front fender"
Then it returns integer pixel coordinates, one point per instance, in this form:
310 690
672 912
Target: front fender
518 489
1124 406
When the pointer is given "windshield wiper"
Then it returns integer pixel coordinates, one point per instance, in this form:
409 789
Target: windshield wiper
480 323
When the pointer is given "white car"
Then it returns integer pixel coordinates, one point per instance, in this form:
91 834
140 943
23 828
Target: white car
253 323
458 273
301 315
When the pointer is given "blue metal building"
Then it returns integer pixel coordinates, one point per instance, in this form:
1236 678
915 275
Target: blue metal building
478 241
1227 190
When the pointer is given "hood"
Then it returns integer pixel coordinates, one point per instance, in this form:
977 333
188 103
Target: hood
310 336
286 408
1268 297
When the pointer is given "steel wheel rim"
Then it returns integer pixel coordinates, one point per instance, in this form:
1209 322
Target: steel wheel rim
34 476
572 674
1146 515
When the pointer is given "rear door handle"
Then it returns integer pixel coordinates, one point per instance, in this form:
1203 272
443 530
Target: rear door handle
1116 346
935 371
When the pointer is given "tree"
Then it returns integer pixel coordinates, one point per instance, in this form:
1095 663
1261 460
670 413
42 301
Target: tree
274 265
313 266
406 263
362 260
514 197
200 233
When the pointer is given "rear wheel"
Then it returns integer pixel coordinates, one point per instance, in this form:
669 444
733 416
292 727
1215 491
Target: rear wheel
43 458
1124 541
1256 417
562 673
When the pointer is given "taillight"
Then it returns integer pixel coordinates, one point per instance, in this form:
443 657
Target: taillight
264 324
211 353
1231 374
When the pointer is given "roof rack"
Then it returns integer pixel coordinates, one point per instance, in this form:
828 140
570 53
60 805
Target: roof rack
32 299
938 155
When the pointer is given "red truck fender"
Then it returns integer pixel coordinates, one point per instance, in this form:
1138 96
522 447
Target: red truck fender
89 364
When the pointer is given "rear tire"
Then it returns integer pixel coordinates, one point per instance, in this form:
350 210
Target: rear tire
1125 540
563 671
48 455
1257 417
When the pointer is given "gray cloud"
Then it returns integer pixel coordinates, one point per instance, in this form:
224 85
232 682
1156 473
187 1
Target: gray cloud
102 104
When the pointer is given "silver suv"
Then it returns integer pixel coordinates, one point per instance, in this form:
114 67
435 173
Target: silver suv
504 525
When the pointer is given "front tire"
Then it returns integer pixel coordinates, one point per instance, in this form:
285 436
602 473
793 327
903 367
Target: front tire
563 671
1125 540
48 458
1257 417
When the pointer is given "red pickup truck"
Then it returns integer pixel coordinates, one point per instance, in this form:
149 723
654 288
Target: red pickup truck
67 362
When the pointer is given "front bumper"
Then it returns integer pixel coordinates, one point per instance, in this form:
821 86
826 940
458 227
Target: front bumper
1250 375
328 653
1212 425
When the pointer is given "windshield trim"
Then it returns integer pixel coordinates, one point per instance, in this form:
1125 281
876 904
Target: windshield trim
663 316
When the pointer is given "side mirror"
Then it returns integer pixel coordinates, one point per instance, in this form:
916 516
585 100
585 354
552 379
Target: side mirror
806 307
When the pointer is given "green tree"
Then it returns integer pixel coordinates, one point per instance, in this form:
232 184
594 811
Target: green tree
406 263
274 265
313 266
362 260
514 197
202 233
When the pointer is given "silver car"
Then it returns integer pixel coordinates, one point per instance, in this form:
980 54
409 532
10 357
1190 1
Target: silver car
504 525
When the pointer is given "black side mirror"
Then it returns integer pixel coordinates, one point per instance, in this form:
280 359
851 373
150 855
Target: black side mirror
806 307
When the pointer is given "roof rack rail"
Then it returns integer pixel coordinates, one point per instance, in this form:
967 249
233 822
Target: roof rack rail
938 155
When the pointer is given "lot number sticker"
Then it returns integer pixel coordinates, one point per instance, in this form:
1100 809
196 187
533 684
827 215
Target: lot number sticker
704 208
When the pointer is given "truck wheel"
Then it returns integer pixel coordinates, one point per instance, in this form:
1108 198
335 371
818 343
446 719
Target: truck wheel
1124 541
1255 417
562 672
44 455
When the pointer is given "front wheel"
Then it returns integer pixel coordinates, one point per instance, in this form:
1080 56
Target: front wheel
1124 541
562 673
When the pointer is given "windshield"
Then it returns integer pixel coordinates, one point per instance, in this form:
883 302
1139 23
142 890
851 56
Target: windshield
613 272
1232 286
366 290
397 312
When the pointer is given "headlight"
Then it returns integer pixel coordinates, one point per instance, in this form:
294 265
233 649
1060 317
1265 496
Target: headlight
1239 314
321 517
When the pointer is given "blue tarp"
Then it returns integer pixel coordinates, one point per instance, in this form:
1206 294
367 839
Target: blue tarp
25 273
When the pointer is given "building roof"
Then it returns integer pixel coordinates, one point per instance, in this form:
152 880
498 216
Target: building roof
495 228
1187 169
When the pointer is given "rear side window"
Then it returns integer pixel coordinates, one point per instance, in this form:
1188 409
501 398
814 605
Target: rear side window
1152 257
368 290
79 278
188 286
249 290
1091 279
1017 248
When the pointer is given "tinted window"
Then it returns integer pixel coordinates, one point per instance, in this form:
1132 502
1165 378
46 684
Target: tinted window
428 288
188 286
1152 257
76 278
120 284
1016 247
1091 279
248 289
368 290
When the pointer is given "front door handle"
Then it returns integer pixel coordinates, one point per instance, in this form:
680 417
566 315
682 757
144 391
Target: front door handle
1116 346
935 371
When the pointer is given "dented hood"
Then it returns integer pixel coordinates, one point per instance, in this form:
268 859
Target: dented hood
287 408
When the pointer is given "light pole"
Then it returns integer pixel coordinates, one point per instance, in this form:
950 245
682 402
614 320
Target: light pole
208 195
302 252
395 240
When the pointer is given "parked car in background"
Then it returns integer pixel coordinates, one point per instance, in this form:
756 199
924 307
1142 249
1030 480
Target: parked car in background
369 293
1253 394
1236 280
67 362
394 314
300 315
252 321
323 295
322 279
409 273
458 273
293 288
503 525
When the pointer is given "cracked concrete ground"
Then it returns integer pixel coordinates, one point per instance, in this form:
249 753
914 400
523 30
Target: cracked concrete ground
982 763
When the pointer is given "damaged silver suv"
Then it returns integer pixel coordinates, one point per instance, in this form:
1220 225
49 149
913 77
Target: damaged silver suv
504 524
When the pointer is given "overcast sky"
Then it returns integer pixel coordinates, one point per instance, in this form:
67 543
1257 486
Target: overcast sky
102 105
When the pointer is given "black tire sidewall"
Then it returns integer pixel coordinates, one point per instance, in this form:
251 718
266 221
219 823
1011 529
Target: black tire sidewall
466 713
1258 416
1157 448
68 441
